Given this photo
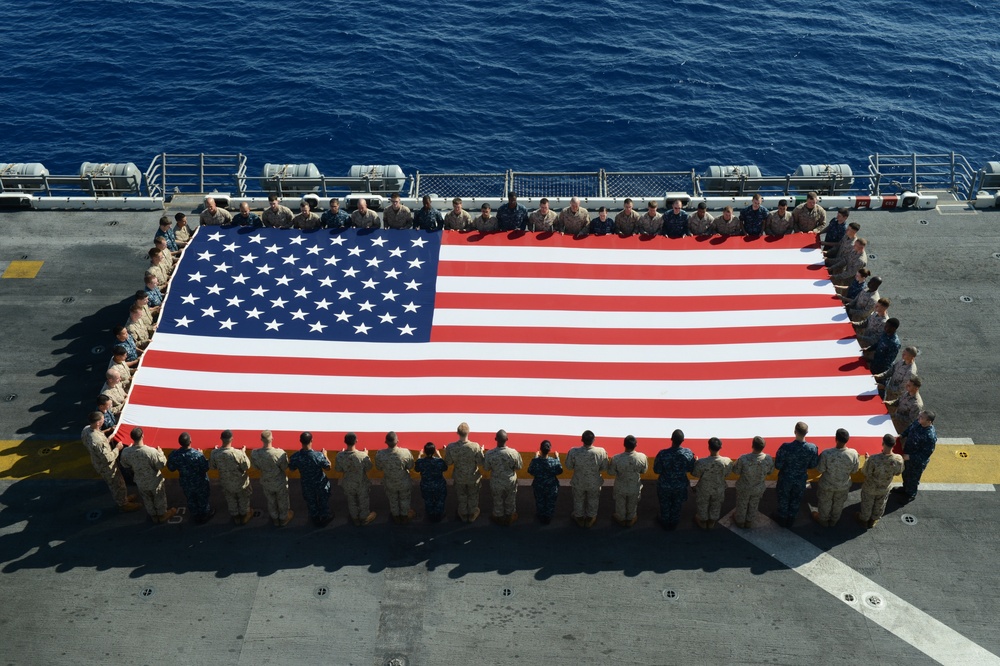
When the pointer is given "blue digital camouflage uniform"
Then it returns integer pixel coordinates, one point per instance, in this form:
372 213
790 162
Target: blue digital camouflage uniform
885 353
433 487
793 461
673 465
109 420
602 228
169 236
855 288
918 443
251 220
131 351
338 220
515 219
835 231
545 485
193 468
428 220
753 220
155 297
675 225
311 466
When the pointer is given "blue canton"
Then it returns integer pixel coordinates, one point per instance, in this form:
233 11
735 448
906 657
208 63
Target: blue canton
515 219
753 220
368 285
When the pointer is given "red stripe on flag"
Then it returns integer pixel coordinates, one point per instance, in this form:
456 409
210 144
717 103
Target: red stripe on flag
476 404
658 243
651 370
642 273
615 336
626 303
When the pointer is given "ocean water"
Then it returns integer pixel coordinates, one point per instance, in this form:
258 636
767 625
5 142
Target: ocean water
487 85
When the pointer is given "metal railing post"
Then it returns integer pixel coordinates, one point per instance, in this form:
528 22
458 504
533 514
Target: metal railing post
201 172
914 181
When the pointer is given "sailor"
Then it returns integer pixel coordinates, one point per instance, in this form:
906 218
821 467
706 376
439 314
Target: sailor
457 219
513 216
626 221
752 470
586 462
334 218
573 220
272 463
145 464
433 488
835 466
232 465
627 468
245 218
793 461
545 468
754 216
542 219
673 465
167 232
151 285
428 218
836 231
675 221
104 406
883 353
502 463
602 225
465 457
354 466
879 471
711 473
192 466
395 463
104 458
312 466
919 441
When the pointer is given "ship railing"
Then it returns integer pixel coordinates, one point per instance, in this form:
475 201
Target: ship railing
95 185
832 184
646 184
923 172
450 185
196 173
324 187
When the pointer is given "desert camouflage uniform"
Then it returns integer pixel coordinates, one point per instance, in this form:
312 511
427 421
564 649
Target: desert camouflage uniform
778 224
752 469
182 233
587 463
232 465
809 221
572 223
711 473
123 371
905 409
502 463
649 226
836 467
627 468
863 305
220 217
539 222
485 225
272 464
367 220
192 466
545 484
855 262
458 222
466 458
395 465
279 219
354 465
117 395
626 223
896 378
701 226
307 221
730 227
104 458
872 329
397 219
879 471
793 462
146 463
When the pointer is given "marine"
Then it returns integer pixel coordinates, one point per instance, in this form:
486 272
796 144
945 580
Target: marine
879 471
395 464
502 463
272 463
586 462
465 457
104 458
711 473
232 465
627 468
354 466
146 463
752 470
835 466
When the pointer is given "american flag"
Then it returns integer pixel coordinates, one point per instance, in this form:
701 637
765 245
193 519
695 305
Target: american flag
543 335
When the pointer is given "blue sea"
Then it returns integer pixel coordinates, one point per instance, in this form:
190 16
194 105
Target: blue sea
487 85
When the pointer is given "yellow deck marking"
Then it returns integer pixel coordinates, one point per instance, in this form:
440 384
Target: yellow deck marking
22 269
69 460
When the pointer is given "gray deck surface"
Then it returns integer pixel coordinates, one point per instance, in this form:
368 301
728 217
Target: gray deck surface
72 570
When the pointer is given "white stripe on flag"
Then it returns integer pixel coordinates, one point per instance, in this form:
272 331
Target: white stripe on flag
598 287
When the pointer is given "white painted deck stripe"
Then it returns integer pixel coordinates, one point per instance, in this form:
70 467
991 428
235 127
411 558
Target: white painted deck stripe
904 620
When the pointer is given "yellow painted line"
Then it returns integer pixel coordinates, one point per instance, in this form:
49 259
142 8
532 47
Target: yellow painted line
65 459
22 269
